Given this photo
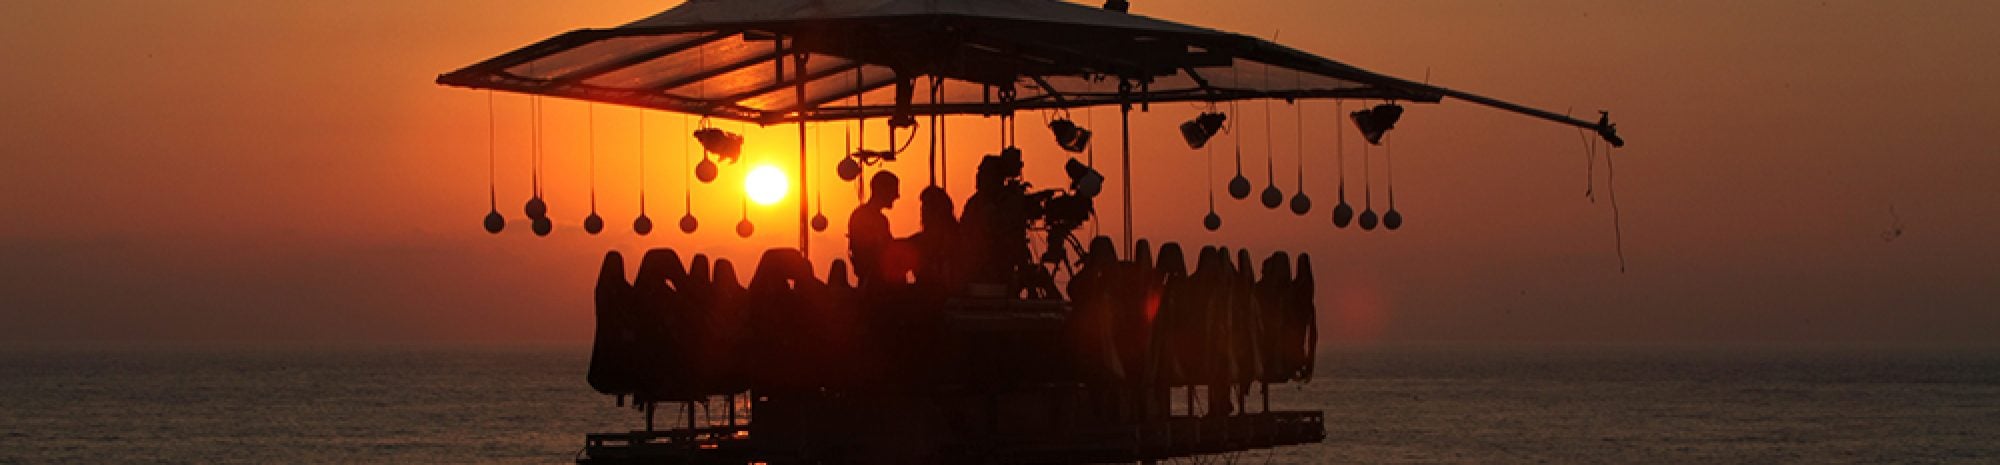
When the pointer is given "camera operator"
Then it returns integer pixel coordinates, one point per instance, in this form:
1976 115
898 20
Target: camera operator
995 222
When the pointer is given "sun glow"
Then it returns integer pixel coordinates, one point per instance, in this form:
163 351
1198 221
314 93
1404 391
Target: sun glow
766 185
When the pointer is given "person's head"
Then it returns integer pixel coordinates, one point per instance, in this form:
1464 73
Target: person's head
995 170
936 207
884 189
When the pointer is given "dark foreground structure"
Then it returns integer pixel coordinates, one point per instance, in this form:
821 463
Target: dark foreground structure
1145 361
957 345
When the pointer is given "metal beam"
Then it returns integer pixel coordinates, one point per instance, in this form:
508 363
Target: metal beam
777 86
649 55
858 90
716 71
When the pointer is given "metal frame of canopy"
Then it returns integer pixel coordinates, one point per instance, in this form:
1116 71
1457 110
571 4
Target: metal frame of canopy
1016 63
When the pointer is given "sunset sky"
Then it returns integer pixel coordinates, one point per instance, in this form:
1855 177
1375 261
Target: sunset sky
247 171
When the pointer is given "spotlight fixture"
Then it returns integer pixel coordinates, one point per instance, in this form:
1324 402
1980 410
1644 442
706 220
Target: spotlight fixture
724 144
1070 136
1198 130
1377 121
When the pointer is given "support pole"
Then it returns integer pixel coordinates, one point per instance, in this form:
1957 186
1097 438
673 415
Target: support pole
1125 163
805 249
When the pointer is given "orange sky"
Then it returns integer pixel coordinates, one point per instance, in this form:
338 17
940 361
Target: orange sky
286 171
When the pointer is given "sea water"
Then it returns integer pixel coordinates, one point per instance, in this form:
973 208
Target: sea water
1404 405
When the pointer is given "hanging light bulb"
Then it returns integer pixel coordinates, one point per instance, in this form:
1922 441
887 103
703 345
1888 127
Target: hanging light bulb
594 224
689 224
1343 214
1272 197
542 226
495 222
819 213
1212 221
706 170
1392 219
1368 219
536 208
1239 186
642 225
743 227
848 169
1300 203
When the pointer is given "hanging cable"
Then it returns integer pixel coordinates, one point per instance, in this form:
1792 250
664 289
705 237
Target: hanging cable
642 225
1343 214
494 222
1589 166
1617 223
1301 204
1391 219
1367 190
688 221
1272 196
593 224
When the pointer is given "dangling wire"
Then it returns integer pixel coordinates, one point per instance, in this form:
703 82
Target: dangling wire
593 156
492 157
642 163
1340 144
1367 178
687 168
1270 173
933 160
1617 224
535 145
1389 165
1299 128
1589 166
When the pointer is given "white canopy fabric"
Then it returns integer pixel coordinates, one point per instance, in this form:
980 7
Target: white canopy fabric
775 61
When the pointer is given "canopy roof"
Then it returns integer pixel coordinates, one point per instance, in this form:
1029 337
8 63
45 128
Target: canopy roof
774 61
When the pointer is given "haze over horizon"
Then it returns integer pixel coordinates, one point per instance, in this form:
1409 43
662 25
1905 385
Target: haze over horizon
218 170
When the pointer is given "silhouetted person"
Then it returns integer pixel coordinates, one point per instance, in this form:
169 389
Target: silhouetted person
937 245
1093 293
836 275
727 314
611 347
1162 371
1274 306
1306 314
1246 333
995 223
663 322
868 235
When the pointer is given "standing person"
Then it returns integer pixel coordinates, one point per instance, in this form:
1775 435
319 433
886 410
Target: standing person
868 229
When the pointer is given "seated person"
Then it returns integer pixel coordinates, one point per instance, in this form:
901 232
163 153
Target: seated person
937 245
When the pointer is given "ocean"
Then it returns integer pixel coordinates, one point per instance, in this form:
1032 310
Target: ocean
1400 405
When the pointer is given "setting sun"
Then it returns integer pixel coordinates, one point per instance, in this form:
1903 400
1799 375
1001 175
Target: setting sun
766 185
